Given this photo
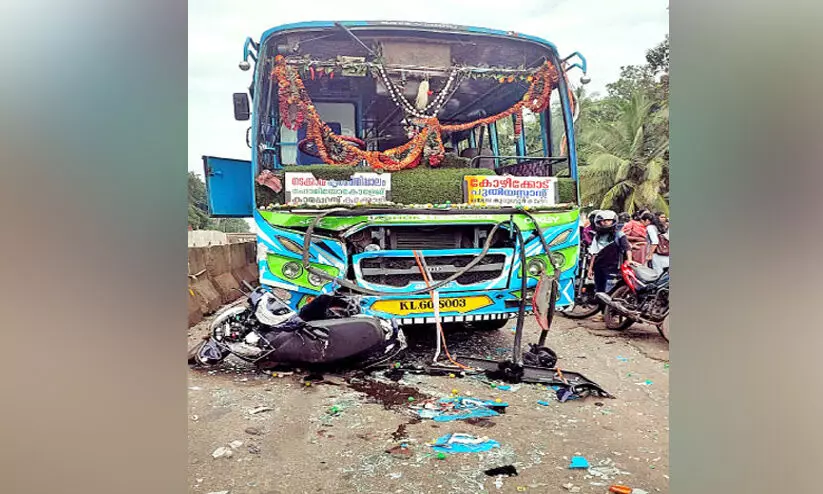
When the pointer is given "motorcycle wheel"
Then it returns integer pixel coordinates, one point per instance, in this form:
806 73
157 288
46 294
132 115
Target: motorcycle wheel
576 311
611 317
663 328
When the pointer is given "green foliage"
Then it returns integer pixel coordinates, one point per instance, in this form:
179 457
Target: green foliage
229 225
415 186
198 216
626 160
623 138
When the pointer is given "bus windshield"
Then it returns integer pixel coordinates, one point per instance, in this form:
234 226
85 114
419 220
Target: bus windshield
396 96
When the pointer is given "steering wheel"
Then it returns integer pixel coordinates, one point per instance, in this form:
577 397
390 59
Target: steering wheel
307 146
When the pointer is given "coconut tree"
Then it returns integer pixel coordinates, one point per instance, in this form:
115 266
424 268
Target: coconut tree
627 158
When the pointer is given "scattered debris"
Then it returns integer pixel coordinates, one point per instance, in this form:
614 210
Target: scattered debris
480 422
254 431
194 418
195 388
543 402
464 443
579 462
498 482
219 492
647 382
622 359
400 451
507 470
235 444
620 489
254 449
605 470
571 487
400 433
257 410
395 374
458 408
222 452
396 475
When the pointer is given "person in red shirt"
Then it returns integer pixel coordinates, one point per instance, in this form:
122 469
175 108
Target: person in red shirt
635 231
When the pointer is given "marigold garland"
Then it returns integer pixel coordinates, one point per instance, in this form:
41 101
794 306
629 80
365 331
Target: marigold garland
296 108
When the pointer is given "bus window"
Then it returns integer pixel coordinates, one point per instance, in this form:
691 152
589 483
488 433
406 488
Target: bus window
560 146
532 133
338 116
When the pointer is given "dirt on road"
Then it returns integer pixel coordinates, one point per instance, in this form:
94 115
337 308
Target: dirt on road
355 432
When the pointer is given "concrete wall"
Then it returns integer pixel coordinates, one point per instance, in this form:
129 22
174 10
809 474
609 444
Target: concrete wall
204 238
216 273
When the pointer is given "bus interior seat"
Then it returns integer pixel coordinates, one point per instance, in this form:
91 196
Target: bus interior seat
481 163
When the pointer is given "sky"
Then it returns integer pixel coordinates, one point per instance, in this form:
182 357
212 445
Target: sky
608 33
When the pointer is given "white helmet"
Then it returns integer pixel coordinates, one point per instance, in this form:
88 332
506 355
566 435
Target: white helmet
604 215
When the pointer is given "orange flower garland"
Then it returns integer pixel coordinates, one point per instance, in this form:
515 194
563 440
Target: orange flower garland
296 107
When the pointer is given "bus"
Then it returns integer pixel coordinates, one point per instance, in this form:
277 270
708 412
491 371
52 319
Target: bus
428 169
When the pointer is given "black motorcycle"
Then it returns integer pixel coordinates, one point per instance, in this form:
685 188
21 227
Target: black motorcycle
642 295
327 332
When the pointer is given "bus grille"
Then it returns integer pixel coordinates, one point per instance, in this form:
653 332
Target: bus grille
401 271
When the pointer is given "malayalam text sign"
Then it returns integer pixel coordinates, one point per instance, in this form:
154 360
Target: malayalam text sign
484 190
360 188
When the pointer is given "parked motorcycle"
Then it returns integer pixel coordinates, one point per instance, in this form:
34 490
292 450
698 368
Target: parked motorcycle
642 295
327 332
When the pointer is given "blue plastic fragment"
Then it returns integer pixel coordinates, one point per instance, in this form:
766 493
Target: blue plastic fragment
504 387
622 359
473 413
464 408
579 462
463 443
544 403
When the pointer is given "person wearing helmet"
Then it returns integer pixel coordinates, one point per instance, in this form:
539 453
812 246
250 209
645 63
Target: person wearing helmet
610 247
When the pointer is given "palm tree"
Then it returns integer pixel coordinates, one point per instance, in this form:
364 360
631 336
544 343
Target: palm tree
627 159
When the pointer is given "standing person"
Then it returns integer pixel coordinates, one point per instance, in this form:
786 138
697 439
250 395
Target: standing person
609 248
659 243
638 237
622 219
587 235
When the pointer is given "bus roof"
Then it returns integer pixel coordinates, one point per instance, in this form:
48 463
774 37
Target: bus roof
421 27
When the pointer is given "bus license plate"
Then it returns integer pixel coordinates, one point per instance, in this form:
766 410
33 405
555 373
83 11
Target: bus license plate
424 305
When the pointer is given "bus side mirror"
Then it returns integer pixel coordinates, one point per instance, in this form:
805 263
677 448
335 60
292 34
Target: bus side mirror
241 106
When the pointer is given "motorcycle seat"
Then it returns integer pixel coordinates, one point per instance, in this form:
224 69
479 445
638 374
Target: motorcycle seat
646 275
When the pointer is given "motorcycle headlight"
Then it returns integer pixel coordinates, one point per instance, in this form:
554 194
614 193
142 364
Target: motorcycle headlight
536 266
316 280
558 259
292 270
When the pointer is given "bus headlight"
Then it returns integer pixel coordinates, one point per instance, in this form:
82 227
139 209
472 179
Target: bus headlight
536 266
292 270
558 259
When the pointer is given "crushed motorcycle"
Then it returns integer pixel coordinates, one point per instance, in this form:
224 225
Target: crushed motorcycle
328 332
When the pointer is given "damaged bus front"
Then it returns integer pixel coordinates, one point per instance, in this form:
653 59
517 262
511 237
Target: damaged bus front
430 169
